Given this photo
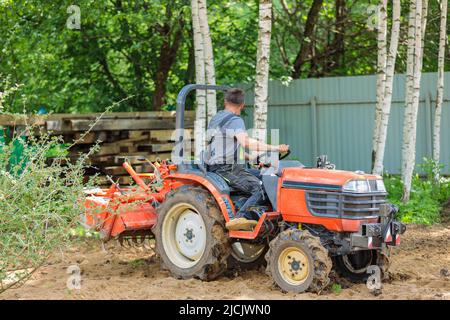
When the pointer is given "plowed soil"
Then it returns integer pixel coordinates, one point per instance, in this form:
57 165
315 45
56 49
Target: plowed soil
419 270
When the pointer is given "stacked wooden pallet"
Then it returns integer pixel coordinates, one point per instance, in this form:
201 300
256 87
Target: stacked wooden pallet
131 135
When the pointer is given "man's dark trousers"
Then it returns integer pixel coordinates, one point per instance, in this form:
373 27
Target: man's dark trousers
240 179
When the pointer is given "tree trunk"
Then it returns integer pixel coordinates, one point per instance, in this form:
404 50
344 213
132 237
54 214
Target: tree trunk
410 119
305 47
440 87
189 76
409 75
262 70
387 99
381 78
167 55
209 58
338 43
200 116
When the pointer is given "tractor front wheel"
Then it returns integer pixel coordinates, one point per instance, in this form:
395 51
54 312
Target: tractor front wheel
190 234
297 262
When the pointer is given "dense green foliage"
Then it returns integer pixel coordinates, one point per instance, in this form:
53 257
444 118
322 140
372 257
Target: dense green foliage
427 195
143 48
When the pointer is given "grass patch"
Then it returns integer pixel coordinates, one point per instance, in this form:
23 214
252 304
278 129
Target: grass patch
428 195
138 263
336 288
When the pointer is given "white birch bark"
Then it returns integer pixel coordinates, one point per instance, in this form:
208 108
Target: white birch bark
440 86
209 58
410 119
410 57
200 114
409 84
262 70
418 57
381 76
389 80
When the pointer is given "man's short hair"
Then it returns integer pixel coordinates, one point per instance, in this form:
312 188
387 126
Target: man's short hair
235 96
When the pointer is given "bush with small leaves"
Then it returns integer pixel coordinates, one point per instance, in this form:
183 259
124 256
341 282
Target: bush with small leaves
39 202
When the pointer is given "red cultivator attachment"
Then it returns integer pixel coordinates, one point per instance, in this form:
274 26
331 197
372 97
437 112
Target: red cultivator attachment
127 211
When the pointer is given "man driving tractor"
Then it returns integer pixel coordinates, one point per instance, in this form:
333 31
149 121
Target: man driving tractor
227 137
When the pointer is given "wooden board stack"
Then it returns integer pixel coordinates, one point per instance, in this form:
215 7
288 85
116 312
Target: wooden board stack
122 134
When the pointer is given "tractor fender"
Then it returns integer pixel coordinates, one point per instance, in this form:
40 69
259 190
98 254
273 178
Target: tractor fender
222 198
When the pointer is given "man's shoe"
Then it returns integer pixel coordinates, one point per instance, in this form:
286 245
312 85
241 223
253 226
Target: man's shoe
241 224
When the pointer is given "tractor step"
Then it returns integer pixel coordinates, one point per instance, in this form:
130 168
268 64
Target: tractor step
255 232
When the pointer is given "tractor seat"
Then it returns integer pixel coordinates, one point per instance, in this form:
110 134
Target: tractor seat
193 167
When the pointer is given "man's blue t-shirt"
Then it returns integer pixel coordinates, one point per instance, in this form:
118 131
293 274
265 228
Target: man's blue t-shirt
225 149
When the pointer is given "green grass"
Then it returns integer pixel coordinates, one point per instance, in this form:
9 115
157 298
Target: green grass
137 263
336 288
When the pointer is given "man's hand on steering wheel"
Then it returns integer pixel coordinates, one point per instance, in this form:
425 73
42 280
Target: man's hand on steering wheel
283 152
283 148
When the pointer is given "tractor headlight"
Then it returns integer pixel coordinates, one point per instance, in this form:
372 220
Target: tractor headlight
359 186
364 186
380 185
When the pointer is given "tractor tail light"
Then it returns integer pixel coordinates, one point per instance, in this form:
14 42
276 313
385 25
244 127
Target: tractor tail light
370 243
388 237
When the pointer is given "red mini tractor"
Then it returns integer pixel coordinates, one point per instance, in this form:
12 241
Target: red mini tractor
314 219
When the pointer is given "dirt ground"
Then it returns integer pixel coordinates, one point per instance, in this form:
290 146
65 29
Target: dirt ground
419 270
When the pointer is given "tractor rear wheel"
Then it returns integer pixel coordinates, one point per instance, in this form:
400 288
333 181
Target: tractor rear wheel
354 266
297 262
190 235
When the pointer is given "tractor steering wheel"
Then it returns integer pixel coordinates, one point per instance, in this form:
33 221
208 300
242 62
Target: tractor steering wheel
287 153
281 156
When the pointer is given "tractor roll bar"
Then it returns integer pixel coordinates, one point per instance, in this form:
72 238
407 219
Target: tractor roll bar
181 103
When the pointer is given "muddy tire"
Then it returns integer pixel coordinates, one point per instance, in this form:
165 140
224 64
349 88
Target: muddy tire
191 239
354 266
298 262
239 260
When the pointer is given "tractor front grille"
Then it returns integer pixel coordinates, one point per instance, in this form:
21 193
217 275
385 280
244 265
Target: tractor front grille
345 205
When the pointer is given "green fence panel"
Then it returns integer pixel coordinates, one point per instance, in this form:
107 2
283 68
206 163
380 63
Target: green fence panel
335 116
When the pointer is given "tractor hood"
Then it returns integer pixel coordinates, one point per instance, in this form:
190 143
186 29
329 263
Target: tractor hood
336 178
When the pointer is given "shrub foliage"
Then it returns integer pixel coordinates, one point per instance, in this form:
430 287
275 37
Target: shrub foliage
39 202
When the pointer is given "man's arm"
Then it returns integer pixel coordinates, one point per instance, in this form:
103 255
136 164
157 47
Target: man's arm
255 145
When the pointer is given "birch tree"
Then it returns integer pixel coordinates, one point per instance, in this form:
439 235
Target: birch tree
381 75
409 68
262 70
209 58
383 121
440 86
199 54
416 33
